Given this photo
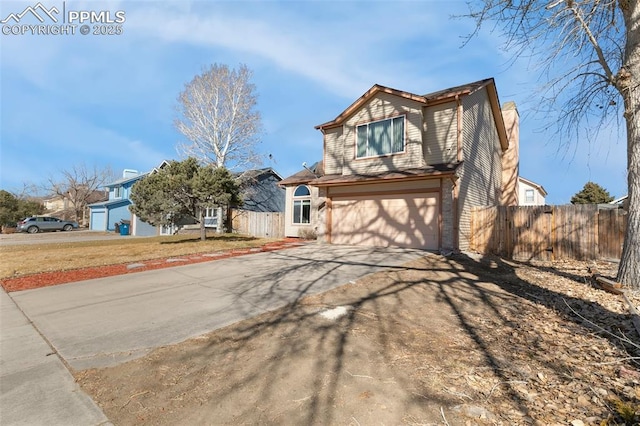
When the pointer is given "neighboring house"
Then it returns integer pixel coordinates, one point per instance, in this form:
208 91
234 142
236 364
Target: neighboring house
62 207
403 169
261 191
622 201
57 206
618 203
105 215
260 214
530 193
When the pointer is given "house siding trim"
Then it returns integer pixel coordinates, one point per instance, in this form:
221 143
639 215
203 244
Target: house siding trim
481 172
440 137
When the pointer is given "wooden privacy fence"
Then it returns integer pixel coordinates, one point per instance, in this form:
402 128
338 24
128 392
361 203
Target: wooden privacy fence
258 224
581 232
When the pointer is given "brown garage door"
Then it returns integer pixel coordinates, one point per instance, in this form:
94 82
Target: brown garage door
389 220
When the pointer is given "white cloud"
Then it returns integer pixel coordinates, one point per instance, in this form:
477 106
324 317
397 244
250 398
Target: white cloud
346 52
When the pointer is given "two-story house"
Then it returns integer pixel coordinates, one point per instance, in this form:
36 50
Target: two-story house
259 190
105 215
403 169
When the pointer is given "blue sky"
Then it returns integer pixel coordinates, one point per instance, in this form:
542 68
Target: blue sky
109 100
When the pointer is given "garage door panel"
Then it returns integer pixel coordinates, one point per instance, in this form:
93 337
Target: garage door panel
398 220
97 220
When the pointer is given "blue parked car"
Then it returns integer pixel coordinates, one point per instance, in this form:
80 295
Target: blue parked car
36 224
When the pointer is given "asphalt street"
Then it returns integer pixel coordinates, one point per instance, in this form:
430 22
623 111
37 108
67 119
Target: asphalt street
22 238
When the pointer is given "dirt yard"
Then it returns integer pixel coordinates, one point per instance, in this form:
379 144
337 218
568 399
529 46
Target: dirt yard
457 341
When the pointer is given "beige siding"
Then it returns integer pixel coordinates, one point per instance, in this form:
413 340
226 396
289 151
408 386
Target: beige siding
333 151
481 173
538 198
441 128
511 158
448 223
380 107
317 220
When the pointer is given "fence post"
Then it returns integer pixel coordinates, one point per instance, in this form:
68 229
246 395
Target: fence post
597 234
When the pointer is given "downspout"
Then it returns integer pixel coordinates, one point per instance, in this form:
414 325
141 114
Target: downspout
327 218
328 223
456 221
456 188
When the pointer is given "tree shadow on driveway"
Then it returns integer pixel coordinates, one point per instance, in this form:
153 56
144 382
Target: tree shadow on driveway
437 338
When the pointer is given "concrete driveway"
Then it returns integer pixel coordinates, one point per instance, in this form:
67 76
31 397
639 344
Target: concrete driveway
110 320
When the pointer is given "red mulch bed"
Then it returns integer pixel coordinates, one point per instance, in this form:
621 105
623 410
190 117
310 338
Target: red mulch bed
46 279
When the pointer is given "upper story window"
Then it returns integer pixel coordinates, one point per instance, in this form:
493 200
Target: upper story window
528 196
117 192
380 137
302 205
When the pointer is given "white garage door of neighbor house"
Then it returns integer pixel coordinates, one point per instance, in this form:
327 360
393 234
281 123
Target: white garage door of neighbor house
98 220
403 220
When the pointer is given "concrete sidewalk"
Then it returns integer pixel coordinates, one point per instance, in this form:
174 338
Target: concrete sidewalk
35 386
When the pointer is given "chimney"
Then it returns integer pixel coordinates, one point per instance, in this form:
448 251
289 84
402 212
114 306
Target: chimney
128 173
511 157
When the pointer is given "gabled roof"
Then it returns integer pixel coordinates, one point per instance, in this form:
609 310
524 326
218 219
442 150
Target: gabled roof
110 203
463 89
123 181
305 175
433 98
255 173
620 200
531 183
161 166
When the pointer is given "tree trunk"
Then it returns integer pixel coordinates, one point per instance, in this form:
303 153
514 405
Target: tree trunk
203 230
629 271
629 78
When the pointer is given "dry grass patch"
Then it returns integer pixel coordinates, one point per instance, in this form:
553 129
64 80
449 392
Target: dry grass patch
31 259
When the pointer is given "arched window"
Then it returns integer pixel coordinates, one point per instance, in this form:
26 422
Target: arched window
302 191
302 205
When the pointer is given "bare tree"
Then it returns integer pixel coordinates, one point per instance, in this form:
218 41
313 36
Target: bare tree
589 54
218 117
80 186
